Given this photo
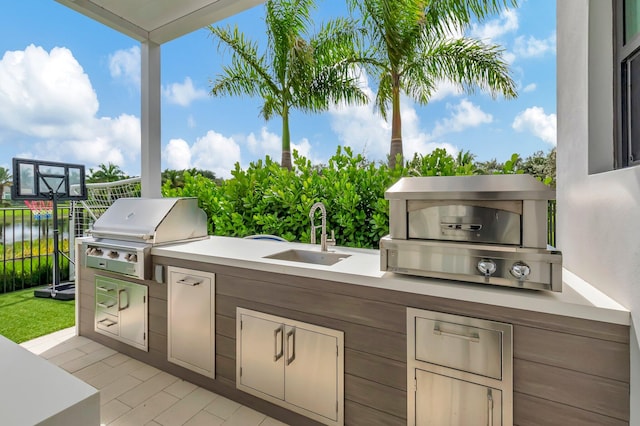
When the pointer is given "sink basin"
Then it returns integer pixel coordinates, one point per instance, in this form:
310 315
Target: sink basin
308 256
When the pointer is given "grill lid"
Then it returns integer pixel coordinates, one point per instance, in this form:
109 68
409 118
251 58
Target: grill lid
153 220
478 187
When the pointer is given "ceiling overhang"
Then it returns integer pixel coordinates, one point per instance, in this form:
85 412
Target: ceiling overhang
158 21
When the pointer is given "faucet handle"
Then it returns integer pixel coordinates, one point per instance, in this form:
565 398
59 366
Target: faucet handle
332 241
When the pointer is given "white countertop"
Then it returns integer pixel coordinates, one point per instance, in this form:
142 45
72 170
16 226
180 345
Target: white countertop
578 299
34 391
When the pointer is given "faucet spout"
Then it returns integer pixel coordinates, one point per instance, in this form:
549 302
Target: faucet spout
323 234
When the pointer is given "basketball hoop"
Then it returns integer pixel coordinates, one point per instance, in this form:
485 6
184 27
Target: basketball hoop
40 209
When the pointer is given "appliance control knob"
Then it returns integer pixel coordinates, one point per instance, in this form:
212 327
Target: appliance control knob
97 252
133 258
520 270
487 267
113 254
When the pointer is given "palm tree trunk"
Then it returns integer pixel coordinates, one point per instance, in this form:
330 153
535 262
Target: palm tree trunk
285 162
396 126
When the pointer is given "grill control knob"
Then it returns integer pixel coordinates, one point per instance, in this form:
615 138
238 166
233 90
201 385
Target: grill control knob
133 258
113 254
520 270
486 267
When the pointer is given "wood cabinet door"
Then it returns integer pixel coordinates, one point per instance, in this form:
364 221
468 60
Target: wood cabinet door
261 355
311 371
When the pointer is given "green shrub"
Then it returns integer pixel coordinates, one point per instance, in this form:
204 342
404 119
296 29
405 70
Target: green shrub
29 272
267 199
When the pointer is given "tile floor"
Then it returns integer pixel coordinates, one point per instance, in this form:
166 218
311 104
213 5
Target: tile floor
135 394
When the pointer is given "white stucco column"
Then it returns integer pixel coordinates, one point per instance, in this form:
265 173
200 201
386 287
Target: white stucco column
150 120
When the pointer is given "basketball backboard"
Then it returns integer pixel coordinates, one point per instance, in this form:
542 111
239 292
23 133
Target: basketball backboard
39 180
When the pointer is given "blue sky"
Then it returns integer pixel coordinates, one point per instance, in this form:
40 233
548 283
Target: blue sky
70 91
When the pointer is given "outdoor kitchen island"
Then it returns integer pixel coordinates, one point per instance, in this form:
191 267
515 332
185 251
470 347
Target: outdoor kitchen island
570 350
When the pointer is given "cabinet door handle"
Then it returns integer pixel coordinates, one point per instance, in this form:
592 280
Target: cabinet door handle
490 407
472 337
190 281
278 354
291 349
105 305
120 293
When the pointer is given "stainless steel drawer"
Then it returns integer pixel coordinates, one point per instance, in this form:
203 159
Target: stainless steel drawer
459 345
108 323
106 303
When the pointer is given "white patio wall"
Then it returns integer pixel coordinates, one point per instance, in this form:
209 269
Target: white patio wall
598 207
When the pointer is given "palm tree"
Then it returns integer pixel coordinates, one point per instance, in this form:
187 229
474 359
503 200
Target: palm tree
413 48
5 178
294 72
106 173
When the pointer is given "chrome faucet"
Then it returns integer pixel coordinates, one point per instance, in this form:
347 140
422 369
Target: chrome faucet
323 235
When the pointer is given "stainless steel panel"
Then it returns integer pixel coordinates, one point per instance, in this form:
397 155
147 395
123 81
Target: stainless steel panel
122 311
132 307
311 357
295 365
191 317
457 222
460 346
483 187
260 355
443 395
460 261
442 400
156 220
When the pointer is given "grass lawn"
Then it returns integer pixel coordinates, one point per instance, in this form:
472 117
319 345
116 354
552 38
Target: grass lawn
24 317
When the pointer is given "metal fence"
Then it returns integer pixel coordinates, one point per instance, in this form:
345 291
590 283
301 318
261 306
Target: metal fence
26 248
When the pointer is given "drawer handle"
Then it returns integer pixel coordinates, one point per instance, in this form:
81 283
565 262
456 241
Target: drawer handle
107 289
107 322
190 281
473 337
104 305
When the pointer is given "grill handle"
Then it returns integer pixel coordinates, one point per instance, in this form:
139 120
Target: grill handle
119 234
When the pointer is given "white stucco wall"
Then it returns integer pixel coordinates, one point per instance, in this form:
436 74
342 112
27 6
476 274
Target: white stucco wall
598 207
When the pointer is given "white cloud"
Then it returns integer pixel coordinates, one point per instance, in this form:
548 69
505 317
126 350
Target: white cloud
183 93
464 115
47 97
491 30
125 65
177 154
535 121
531 47
212 151
530 87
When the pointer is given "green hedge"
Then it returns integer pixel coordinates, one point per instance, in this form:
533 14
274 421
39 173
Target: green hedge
29 272
267 199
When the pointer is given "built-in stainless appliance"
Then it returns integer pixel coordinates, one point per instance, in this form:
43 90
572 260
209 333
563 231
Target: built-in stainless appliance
488 229
121 311
459 370
123 236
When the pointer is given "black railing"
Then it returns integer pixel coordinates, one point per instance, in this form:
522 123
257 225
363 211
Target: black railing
26 248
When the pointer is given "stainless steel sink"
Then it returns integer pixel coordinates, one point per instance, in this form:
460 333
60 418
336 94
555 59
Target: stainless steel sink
307 256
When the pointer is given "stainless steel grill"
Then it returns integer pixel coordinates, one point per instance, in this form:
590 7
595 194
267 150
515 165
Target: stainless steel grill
488 229
122 238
